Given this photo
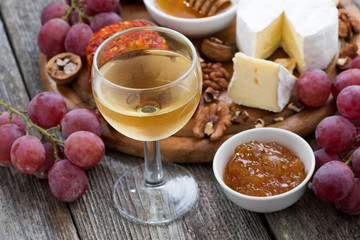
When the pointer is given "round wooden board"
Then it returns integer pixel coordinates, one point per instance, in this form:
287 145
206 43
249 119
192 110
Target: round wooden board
183 146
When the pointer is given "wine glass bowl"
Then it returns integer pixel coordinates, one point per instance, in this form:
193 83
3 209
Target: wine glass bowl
147 84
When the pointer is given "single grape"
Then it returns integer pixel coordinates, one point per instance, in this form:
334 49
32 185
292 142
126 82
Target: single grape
348 102
54 10
344 79
80 119
335 133
85 149
74 16
51 37
8 134
355 63
333 181
47 109
49 158
27 154
313 87
77 39
351 203
104 19
15 119
356 161
102 5
322 156
67 181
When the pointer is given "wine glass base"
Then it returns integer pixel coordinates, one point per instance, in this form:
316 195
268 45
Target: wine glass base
153 205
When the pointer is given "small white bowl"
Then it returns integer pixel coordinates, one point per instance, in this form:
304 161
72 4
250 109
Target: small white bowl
193 27
297 145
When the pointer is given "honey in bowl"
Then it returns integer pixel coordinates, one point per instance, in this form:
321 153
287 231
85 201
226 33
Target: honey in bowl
263 169
192 8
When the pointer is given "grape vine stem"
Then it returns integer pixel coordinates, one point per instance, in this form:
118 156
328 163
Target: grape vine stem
44 132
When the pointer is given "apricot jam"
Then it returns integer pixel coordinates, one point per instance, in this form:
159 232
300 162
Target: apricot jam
263 169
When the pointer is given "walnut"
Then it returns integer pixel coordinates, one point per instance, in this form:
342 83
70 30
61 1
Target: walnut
259 123
296 106
217 50
238 115
64 67
212 121
215 76
350 50
348 25
211 94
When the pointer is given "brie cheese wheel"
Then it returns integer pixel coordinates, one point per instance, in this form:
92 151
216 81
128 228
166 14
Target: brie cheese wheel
260 83
306 29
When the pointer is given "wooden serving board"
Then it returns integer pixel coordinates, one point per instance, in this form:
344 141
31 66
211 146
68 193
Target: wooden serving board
183 146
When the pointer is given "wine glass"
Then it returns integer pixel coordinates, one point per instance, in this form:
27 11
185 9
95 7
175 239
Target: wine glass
147 84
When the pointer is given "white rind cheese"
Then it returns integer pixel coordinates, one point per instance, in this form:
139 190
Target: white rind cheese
306 29
260 83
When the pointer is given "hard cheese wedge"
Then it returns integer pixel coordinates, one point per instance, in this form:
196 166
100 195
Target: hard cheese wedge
260 83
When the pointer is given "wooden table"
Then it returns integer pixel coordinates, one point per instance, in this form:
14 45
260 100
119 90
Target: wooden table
29 211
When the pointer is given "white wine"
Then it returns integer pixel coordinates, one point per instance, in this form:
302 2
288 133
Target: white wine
139 98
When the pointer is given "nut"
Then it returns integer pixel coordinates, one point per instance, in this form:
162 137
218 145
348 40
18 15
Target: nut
348 25
215 76
259 123
296 106
238 115
350 50
217 50
211 121
211 94
64 67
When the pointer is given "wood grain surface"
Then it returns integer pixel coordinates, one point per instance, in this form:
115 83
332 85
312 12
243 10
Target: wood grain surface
183 146
29 211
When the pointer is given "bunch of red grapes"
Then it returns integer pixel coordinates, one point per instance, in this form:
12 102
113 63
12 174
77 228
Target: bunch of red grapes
68 26
337 170
61 160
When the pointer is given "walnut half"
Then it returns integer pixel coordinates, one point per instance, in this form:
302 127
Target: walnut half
64 67
211 121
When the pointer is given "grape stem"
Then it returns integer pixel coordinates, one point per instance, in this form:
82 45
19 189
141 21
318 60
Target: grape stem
76 8
44 132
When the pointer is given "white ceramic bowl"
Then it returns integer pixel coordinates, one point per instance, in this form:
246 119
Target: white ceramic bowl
193 27
297 145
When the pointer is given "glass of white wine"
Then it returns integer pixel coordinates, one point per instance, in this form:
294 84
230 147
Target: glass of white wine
147 85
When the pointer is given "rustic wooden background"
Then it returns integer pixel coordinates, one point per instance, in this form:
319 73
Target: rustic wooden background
29 211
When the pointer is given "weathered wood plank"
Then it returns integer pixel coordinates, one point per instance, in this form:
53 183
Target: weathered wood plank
27 208
22 21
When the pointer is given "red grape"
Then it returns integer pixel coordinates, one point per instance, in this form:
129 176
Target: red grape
351 203
8 134
51 37
85 149
322 156
77 38
314 87
54 10
80 119
74 16
49 159
355 63
102 5
356 161
333 181
335 133
348 102
27 154
47 109
344 79
104 19
15 119
67 181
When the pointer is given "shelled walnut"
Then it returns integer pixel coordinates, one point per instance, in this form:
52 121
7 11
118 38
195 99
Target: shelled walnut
215 76
212 121
238 115
348 25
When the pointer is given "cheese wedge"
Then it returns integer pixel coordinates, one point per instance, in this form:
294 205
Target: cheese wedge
260 83
306 29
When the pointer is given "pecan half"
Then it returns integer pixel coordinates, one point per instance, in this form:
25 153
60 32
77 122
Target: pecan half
215 76
212 121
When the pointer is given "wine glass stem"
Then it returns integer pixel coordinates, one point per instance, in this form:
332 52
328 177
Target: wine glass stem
153 167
